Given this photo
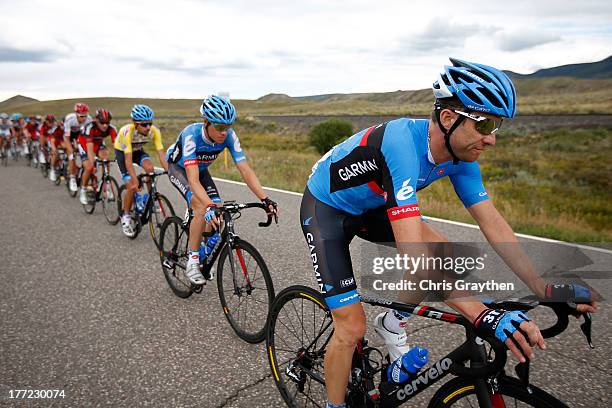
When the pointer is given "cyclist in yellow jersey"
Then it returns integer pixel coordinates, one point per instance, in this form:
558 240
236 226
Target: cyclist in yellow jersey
129 150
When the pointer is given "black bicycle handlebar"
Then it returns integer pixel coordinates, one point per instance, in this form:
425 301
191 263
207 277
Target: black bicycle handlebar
233 207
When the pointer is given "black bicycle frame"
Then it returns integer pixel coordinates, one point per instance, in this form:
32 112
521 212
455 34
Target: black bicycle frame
146 213
104 178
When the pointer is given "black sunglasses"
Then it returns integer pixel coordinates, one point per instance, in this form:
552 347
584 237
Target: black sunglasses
145 124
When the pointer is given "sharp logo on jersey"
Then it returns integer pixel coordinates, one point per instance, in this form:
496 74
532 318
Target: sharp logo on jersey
356 169
405 211
189 147
405 192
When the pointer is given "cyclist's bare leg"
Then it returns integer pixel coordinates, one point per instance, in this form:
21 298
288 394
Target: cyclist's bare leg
70 152
197 224
128 198
349 328
53 155
147 166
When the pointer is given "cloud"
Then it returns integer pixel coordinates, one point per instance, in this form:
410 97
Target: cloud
10 54
440 34
179 65
522 40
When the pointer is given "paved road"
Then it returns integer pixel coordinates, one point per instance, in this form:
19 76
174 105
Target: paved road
85 310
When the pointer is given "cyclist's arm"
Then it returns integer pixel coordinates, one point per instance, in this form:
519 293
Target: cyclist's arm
502 238
250 178
90 152
162 159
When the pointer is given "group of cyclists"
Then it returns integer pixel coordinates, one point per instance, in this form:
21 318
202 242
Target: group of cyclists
365 186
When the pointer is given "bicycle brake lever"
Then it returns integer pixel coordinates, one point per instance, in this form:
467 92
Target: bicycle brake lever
522 371
586 329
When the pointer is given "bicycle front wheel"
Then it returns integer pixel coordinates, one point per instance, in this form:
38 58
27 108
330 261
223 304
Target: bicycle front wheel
173 244
245 290
299 329
161 209
460 392
109 197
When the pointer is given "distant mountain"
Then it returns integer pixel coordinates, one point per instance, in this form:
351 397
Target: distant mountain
17 100
590 70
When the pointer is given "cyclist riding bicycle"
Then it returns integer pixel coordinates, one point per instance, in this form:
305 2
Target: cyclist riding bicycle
367 186
53 132
129 150
196 148
91 144
74 123
6 132
33 132
19 130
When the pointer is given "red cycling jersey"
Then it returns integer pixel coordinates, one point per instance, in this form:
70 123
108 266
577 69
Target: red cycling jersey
55 132
33 130
93 134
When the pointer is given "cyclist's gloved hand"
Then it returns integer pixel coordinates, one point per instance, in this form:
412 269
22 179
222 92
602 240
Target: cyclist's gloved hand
269 203
499 323
513 328
211 214
574 293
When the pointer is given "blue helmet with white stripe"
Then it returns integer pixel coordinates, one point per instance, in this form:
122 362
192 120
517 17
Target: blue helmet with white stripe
142 113
479 87
217 109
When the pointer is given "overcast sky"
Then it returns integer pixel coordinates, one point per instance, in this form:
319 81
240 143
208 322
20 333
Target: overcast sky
190 48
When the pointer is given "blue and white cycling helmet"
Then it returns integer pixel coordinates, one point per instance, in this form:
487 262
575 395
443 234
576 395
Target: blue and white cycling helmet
16 116
217 109
141 113
4 115
479 87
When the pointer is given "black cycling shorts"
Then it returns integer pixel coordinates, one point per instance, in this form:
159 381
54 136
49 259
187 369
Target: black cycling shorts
138 156
178 178
328 232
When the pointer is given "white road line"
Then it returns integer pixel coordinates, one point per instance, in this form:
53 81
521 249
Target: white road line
461 224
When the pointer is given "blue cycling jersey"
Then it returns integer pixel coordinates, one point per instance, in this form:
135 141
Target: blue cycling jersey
386 165
193 148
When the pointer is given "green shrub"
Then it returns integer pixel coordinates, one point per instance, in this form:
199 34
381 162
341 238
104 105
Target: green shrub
327 134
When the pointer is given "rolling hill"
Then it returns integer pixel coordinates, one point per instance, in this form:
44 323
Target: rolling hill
569 89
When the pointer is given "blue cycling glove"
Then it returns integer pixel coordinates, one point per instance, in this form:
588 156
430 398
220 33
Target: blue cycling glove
499 323
211 211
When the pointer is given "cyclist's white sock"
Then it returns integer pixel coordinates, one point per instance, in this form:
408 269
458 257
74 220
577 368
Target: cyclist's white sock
395 321
194 258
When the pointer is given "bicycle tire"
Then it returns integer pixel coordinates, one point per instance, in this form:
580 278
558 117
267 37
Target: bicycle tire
110 210
174 241
156 219
461 392
44 169
282 355
252 326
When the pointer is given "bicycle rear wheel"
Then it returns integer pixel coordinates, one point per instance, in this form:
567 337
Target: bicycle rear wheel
109 197
245 290
161 209
460 392
299 328
174 240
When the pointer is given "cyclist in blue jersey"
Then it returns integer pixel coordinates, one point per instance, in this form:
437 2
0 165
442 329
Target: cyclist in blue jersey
367 186
196 147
